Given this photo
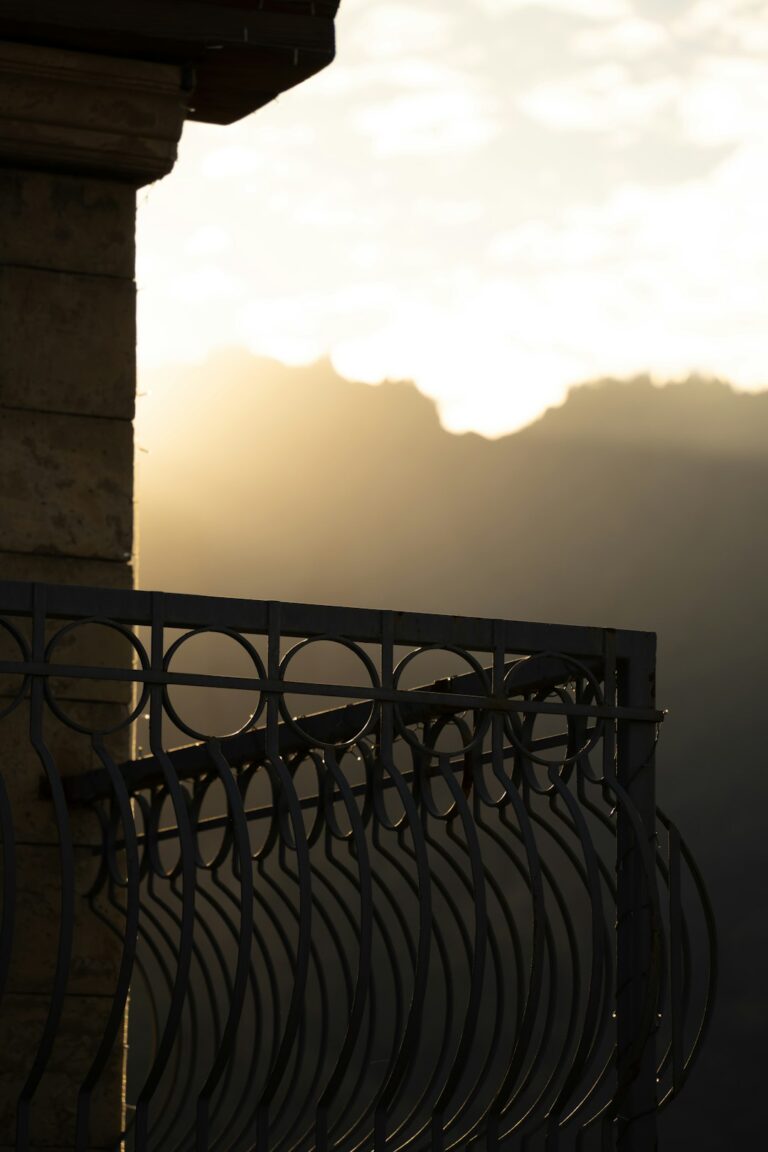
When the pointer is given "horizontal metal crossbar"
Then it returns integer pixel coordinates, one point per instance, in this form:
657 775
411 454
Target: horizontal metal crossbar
336 726
460 701
264 811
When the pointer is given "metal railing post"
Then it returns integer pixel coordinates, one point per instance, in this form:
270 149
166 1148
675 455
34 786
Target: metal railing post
638 928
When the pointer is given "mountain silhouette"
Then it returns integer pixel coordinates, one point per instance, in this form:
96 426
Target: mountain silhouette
629 506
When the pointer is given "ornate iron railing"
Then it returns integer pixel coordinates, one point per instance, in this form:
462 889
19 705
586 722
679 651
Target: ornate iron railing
422 897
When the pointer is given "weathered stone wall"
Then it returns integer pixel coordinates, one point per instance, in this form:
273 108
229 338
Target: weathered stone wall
78 134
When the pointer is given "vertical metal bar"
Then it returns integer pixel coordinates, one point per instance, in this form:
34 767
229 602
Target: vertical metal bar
184 947
638 958
287 795
409 1040
67 865
242 851
8 885
677 981
130 933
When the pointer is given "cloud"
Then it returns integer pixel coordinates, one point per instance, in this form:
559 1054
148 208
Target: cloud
585 9
231 162
668 277
631 38
396 29
725 101
404 72
210 240
726 24
490 212
429 123
599 99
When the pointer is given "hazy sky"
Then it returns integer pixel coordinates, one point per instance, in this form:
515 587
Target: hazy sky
495 198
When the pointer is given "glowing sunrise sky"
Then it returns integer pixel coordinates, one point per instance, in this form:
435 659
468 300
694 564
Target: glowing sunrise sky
497 199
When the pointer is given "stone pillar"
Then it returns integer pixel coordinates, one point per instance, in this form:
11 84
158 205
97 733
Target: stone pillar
78 134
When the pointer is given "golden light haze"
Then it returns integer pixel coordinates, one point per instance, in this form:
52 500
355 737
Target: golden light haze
498 199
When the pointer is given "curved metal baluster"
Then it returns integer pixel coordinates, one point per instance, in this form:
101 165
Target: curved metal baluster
458 1067
266 882
442 950
305 1114
409 1040
9 887
295 1010
362 981
603 1013
534 1117
523 1125
274 986
347 873
176 1091
289 1102
369 816
129 943
590 1022
211 984
243 855
677 1003
483 1073
431 1089
506 1097
67 899
303 1121
509 920
140 969
712 941
181 981
479 951
590 875
232 927
8 921
648 1015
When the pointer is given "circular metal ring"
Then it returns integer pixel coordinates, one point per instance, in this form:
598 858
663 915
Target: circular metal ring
247 647
516 733
370 668
159 798
201 790
244 779
480 725
424 776
61 712
16 635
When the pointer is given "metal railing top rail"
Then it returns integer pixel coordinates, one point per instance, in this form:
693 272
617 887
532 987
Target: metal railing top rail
363 625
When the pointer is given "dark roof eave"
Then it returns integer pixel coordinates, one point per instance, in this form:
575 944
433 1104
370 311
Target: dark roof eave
242 55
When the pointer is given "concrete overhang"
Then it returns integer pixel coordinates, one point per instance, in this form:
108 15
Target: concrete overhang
240 54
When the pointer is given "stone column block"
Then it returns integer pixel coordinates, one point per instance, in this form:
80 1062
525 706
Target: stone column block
72 753
67 223
67 483
95 960
84 571
67 343
54 1105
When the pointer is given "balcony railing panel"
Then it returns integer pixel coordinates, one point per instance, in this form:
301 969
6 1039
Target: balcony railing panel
356 880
